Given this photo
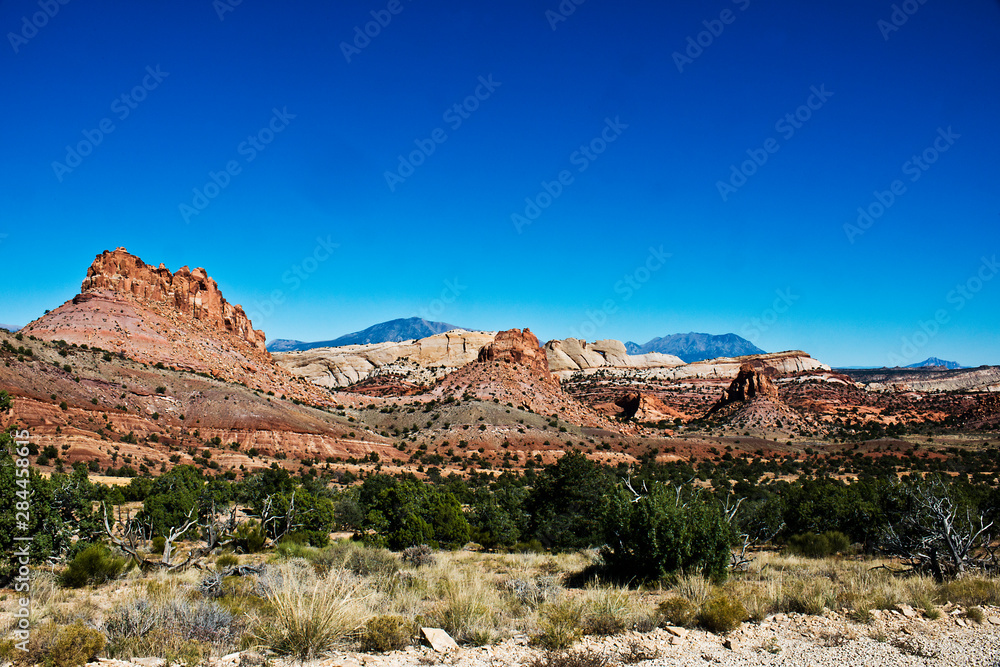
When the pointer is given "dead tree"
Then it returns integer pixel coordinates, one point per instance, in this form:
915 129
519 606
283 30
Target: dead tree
129 533
938 536
752 528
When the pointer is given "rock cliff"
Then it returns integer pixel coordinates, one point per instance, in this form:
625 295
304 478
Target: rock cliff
192 293
179 320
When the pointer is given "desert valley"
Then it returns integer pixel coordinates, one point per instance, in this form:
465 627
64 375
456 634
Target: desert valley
177 458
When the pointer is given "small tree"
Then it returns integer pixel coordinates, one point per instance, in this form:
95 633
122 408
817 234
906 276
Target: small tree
657 533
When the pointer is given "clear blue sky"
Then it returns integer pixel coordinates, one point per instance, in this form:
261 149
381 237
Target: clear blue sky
441 242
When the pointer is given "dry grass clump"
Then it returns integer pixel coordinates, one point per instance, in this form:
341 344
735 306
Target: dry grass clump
309 619
570 659
468 606
975 614
693 588
608 609
971 591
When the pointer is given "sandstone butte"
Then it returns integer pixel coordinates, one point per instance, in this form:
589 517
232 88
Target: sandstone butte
179 319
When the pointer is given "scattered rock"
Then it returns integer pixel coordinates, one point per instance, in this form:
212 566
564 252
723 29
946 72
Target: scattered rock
439 640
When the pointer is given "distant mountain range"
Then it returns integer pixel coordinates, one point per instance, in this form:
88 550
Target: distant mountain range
934 361
393 331
689 347
9 327
692 346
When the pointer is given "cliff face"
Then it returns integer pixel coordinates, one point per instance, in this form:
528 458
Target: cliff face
192 293
180 319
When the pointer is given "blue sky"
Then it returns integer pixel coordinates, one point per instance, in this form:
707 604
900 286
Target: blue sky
609 132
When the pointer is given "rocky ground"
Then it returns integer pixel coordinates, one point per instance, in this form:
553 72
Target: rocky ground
831 640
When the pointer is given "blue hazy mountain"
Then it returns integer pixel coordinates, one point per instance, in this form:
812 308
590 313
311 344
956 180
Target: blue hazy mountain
697 346
392 331
934 361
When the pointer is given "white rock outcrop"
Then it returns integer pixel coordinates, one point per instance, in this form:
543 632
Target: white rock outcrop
571 355
421 361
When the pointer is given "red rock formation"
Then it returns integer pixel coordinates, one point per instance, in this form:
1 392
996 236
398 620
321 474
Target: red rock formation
192 293
179 320
645 407
519 347
748 385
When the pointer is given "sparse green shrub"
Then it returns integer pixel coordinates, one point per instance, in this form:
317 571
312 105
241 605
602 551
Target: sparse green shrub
49 645
678 611
94 565
722 614
813 545
226 561
75 645
159 544
387 633
249 538
975 614
560 624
